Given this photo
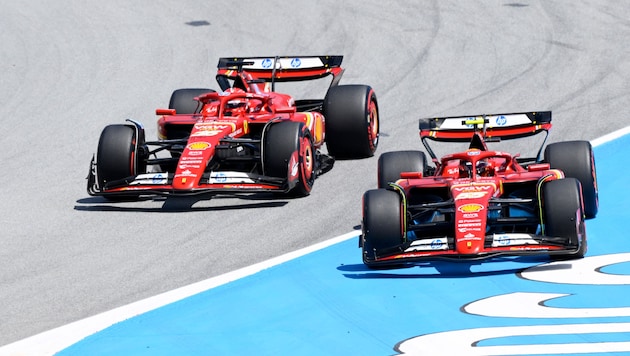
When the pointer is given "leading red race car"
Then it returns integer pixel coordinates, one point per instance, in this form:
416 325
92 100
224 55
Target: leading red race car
480 203
245 138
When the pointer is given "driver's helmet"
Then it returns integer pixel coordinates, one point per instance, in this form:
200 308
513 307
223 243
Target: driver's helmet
464 169
236 107
485 167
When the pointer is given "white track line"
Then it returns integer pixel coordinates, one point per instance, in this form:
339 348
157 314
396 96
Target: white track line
611 136
55 340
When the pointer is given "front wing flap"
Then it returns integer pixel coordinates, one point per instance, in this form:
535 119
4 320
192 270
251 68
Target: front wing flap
210 183
443 248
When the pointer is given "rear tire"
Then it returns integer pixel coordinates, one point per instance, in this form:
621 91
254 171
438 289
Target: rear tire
352 121
382 223
183 100
391 164
280 141
576 160
563 214
117 156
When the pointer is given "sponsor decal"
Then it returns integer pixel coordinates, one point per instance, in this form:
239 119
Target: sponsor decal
502 240
186 173
471 195
466 229
215 126
294 165
294 169
472 188
470 237
198 146
235 133
512 240
150 178
471 208
266 63
535 320
230 178
528 248
470 215
158 179
470 224
462 221
220 178
473 153
240 186
204 133
501 120
296 63
426 245
211 110
193 166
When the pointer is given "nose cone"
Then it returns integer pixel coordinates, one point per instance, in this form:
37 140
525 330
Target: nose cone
185 180
192 164
471 215
469 245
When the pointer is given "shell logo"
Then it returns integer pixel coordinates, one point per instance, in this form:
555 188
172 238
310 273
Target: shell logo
198 146
470 208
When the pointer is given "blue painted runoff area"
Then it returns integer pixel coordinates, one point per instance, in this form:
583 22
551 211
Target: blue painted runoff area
328 303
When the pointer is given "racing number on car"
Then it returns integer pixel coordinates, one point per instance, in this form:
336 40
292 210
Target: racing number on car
587 271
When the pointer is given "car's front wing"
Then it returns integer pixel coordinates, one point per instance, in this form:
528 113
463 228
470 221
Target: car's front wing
442 248
210 183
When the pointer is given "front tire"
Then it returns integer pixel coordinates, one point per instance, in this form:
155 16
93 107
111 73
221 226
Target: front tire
352 121
563 213
118 157
391 164
280 142
183 100
576 160
382 223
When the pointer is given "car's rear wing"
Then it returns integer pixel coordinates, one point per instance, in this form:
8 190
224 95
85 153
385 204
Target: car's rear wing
480 129
495 126
282 68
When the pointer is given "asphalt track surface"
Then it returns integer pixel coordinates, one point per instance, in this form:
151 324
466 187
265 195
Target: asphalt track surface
69 68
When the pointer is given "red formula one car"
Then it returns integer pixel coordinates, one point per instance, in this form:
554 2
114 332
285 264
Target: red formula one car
480 203
245 138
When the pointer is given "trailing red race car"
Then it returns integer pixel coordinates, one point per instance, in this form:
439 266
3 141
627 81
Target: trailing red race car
245 138
480 203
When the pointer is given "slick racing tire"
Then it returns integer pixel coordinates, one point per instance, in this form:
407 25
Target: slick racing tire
391 164
563 214
382 223
183 100
117 157
280 141
576 160
352 121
